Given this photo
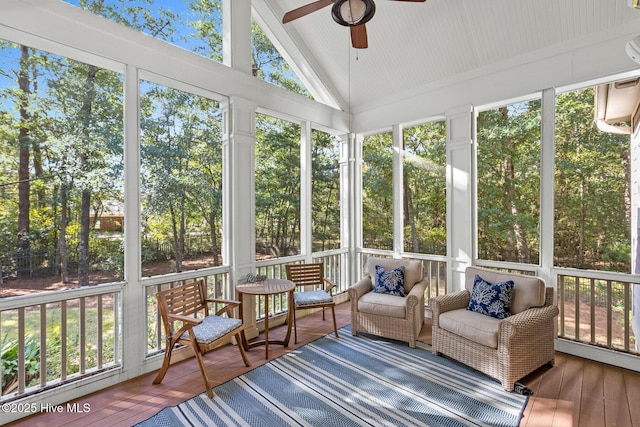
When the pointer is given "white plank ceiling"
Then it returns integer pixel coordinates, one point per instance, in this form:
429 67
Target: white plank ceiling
417 45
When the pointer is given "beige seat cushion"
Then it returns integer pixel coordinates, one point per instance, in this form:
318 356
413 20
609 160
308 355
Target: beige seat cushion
383 305
413 269
528 291
473 326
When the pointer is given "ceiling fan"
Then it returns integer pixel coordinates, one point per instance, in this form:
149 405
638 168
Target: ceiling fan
350 13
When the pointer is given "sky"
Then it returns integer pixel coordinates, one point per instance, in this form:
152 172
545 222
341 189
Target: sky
186 39
177 7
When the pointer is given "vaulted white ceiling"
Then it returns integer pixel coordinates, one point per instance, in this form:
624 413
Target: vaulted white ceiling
414 46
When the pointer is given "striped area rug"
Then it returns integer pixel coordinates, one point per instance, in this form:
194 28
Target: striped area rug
352 381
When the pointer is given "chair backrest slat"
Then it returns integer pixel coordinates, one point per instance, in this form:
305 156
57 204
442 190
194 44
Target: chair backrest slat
185 300
306 274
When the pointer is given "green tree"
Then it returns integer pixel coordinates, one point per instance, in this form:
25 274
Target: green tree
205 182
277 184
64 118
182 168
509 182
92 100
377 192
25 82
325 185
206 22
277 156
86 104
592 182
270 66
165 144
8 193
425 203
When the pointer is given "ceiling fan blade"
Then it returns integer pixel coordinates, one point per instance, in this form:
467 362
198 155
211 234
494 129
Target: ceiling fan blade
359 37
305 10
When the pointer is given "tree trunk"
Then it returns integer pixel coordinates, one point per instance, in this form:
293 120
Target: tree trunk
183 228
508 191
410 216
325 221
581 225
85 117
38 168
83 256
520 245
24 187
38 172
177 246
62 238
213 226
517 244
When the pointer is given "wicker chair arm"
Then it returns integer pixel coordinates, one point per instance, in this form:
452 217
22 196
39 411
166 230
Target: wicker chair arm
549 296
417 293
415 297
525 324
360 288
526 318
444 303
356 291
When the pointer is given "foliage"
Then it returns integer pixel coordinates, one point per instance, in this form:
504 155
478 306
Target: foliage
592 184
270 66
277 183
424 192
325 191
509 182
32 353
377 195
9 357
425 198
181 162
592 179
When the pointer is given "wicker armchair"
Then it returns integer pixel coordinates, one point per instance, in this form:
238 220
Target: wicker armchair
389 316
505 349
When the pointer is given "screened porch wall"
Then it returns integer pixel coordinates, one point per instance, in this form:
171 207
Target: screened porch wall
62 29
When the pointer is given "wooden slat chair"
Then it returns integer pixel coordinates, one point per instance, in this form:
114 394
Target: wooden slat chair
185 314
311 275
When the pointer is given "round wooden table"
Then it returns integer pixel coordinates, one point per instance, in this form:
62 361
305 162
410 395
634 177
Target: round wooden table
267 288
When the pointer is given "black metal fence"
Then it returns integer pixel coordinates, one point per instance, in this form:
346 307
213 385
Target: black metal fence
105 254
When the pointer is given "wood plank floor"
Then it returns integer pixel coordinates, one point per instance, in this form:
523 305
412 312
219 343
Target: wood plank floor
575 392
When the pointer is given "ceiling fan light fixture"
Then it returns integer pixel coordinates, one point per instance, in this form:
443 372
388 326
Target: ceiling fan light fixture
351 13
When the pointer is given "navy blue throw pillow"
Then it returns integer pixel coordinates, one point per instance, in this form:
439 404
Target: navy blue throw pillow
491 299
389 281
